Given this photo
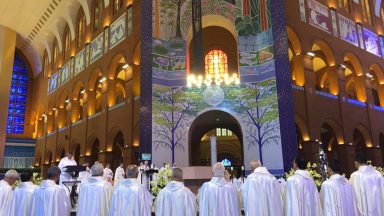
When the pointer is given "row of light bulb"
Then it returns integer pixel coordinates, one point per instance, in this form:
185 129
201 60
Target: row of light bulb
209 80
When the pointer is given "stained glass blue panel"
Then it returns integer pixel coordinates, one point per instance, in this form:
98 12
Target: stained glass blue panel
18 98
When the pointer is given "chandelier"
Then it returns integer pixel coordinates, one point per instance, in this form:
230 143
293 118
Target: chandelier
216 71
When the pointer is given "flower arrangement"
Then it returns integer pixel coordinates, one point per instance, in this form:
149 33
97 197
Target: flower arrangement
36 180
161 179
380 169
312 170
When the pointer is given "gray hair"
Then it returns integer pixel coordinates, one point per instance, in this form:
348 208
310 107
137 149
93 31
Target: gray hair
177 173
97 169
132 171
255 164
218 170
53 172
13 174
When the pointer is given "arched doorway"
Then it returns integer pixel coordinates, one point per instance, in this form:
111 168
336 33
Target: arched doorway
329 140
77 153
117 156
229 138
359 141
95 152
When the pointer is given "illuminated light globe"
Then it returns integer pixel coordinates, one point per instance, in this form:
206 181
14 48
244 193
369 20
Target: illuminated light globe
226 162
213 95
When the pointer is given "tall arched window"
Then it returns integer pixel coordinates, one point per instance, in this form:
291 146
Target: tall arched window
45 64
80 28
67 42
97 15
18 96
344 4
117 5
55 54
366 11
216 63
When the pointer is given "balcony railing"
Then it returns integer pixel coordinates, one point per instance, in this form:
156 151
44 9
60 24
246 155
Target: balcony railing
328 95
356 102
297 88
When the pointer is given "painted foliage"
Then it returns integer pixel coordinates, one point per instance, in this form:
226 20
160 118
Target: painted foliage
253 102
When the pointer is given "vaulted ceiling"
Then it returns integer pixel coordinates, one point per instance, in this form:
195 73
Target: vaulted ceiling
38 22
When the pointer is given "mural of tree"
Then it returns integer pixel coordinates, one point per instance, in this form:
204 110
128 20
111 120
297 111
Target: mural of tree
259 104
171 107
178 3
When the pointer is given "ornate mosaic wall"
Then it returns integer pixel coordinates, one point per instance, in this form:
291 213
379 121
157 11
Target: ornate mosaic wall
253 102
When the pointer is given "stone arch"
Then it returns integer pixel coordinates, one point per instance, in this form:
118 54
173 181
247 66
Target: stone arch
116 65
336 128
86 8
325 51
62 98
378 72
60 152
48 157
300 122
365 133
38 159
93 149
355 83
95 76
295 58
77 90
377 80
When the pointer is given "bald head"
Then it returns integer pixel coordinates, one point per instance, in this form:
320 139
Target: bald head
218 170
177 174
132 171
97 169
254 164
11 176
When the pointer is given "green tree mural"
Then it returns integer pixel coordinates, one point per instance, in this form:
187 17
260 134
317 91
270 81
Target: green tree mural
259 103
171 107
178 3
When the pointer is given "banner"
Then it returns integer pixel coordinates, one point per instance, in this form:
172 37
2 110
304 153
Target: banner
318 16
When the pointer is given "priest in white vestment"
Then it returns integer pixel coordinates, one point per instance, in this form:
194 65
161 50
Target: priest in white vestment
50 198
262 194
119 174
23 192
66 161
337 195
142 175
301 195
369 187
95 194
84 176
130 197
176 199
107 173
7 202
218 197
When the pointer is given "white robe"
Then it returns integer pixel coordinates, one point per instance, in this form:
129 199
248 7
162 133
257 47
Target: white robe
142 178
218 198
7 204
107 174
83 177
50 199
94 197
338 197
119 176
301 196
64 176
262 194
131 198
369 188
175 200
22 196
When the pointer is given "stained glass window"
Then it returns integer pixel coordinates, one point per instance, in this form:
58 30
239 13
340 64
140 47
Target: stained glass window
216 63
18 96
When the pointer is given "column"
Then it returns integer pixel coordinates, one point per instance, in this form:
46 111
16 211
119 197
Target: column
213 150
7 53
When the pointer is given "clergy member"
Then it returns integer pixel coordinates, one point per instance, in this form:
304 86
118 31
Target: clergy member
176 199
130 197
23 193
337 195
7 203
84 176
119 174
301 195
108 173
369 187
218 197
66 161
262 194
95 194
50 198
